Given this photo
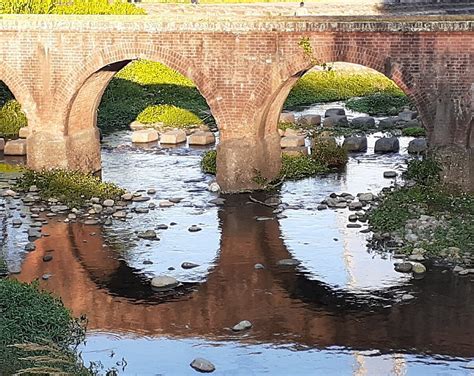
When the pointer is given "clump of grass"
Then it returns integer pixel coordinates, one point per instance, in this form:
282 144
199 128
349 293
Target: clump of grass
72 188
382 103
208 162
414 132
295 167
330 155
68 7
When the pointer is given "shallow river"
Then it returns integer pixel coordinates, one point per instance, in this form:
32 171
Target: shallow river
339 312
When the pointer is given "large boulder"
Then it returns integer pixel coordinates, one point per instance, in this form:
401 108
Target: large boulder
292 141
336 121
389 123
387 145
363 122
334 112
312 120
144 136
173 137
417 146
355 144
202 138
15 147
287 117
407 115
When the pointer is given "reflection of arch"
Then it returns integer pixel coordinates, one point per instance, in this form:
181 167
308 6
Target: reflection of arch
17 86
88 80
294 67
235 291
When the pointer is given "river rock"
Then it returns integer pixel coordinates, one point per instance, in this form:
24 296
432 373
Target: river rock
141 198
108 203
151 191
202 138
366 197
390 174
194 228
173 137
287 117
353 225
127 197
148 234
259 266
336 121
417 146
388 123
292 141
363 122
119 214
189 265
47 258
288 262
34 233
213 187
355 144
322 207
387 145
144 136
98 208
334 112
17 222
418 268
29 247
8 193
162 226
312 120
91 222
243 325
407 115
202 365
166 204
15 147
164 282
406 297
356 205
404 267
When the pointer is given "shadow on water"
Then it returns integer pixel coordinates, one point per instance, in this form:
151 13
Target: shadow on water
284 306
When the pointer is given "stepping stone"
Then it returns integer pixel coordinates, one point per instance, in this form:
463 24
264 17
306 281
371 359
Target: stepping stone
202 138
144 136
287 117
292 141
173 137
15 147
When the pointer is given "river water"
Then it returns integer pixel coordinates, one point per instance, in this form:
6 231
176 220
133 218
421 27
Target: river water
338 312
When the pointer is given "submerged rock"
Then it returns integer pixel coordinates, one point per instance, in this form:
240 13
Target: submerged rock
148 234
404 267
288 262
202 365
189 265
164 282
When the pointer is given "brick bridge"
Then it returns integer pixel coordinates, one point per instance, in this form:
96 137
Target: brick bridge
59 67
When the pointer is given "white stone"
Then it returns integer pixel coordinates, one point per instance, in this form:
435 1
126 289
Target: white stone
202 138
108 203
214 187
292 141
15 147
144 136
166 204
173 137
24 132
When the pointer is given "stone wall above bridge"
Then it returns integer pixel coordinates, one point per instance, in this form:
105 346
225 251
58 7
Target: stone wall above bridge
59 66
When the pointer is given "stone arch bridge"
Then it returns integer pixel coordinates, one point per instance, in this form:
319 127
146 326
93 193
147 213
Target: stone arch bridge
59 66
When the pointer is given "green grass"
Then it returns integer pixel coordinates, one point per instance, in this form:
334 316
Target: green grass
11 116
68 7
384 103
414 132
296 167
36 332
72 188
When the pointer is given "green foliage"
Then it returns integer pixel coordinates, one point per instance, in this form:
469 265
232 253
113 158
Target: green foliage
168 115
208 162
414 132
8 168
389 102
334 85
295 167
70 187
68 7
284 126
36 331
423 171
329 154
11 116
151 91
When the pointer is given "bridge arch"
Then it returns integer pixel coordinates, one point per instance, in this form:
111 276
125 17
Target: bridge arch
18 88
294 67
84 87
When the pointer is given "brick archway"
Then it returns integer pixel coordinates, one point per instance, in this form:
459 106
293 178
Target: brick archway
18 88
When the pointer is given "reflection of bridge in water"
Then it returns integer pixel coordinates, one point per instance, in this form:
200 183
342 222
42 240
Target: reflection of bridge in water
283 305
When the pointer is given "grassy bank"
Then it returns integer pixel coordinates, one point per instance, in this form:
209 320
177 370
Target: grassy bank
37 333
446 215
68 7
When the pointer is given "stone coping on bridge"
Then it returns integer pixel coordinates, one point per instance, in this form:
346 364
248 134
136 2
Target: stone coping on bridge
244 24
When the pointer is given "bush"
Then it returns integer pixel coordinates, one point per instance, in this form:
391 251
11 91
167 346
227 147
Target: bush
208 162
383 103
414 132
329 154
11 119
328 86
295 167
423 171
72 188
168 115
68 7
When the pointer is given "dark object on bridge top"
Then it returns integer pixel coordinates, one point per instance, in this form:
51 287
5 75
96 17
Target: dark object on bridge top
429 7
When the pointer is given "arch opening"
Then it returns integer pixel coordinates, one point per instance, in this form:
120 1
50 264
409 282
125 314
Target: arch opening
12 117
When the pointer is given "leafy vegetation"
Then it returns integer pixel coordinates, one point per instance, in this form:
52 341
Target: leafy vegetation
72 188
208 162
423 171
389 102
68 7
11 116
295 167
168 115
414 132
329 154
37 332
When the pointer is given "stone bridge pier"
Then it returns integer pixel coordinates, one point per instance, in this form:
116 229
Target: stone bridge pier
58 69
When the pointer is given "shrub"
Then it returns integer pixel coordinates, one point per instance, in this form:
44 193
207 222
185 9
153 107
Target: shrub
68 7
208 162
423 171
414 132
11 119
70 187
328 154
168 115
382 103
294 167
